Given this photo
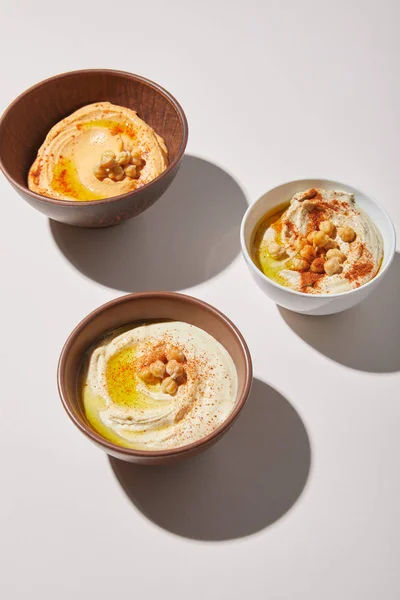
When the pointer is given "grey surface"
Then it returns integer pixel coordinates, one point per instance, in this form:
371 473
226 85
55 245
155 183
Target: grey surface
300 500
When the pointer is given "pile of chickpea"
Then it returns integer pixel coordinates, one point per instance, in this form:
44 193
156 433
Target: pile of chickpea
318 252
169 371
118 166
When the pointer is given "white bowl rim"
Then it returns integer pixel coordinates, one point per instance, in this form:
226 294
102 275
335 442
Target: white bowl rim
258 271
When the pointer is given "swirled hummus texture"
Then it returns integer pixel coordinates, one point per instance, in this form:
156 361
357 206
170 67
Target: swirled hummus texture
65 165
307 212
131 412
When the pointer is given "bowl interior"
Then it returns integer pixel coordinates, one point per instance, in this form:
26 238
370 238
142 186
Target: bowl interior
139 307
26 123
283 193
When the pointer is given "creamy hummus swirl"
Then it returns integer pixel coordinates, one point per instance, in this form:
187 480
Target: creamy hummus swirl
306 211
64 165
132 413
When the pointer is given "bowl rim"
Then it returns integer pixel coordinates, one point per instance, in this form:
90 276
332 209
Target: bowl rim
54 201
110 446
258 271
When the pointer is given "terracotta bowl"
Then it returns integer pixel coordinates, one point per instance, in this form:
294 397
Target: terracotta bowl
26 122
139 307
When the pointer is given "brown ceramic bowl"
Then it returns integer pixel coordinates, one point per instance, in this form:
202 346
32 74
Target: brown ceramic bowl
139 307
26 122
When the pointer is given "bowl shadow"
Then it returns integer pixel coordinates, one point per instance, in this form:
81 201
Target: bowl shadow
244 483
366 337
190 235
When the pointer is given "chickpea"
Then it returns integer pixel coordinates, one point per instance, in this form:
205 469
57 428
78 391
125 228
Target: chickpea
157 368
275 250
147 375
320 239
123 158
108 159
175 354
317 265
300 243
136 159
334 252
332 266
330 244
175 369
169 386
300 264
308 194
158 353
131 171
99 172
327 227
307 252
347 234
117 173
310 237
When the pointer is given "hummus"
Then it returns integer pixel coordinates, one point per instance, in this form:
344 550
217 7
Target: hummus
192 392
101 150
322 243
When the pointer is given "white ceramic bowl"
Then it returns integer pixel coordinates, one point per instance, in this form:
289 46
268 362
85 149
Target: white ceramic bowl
321 304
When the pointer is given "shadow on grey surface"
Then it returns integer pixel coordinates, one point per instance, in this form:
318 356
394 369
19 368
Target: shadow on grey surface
188 236
244 483
366 337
